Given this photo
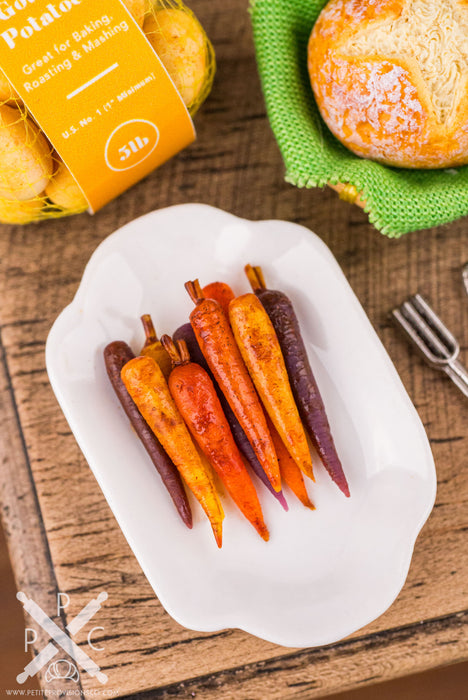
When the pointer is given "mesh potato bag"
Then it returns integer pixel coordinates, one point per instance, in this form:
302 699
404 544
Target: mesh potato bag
396 200
34 183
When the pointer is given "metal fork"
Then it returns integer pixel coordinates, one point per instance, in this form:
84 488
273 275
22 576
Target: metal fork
432 338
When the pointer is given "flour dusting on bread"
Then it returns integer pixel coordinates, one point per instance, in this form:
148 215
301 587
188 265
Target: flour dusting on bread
383 99
433 36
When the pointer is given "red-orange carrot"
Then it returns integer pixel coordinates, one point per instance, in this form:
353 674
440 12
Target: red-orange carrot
186 333
199 406
146 385
220 292
219 347
290 472
261 352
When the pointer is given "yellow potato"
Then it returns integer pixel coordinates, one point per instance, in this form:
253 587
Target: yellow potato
63 190
137 9
25 157
20 212
179 41
7 91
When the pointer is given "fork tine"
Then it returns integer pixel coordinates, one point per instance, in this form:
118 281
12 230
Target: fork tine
430 335
409 325
435 322
410 331
434 349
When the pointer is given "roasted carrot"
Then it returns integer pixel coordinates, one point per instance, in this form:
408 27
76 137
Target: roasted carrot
259 347
146 385
218 345
199 406
220 292
303 383
116 355
290 472
187 334
153 348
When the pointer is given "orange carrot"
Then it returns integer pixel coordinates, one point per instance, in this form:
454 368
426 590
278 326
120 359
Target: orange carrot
219 347
153 348
199 406
262 354
220 292
290 472
146 385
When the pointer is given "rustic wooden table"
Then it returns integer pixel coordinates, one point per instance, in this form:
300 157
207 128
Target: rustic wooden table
62 535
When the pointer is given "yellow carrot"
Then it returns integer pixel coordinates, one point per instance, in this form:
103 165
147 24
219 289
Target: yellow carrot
147 386
260 350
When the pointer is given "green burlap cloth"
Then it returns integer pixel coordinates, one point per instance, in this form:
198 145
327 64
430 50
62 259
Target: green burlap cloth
397 200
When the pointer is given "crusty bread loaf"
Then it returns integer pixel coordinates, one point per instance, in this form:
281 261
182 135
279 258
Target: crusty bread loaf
390 78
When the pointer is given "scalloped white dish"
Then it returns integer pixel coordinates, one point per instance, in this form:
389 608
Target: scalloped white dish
323 574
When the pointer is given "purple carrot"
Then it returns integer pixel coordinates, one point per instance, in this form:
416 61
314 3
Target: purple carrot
304 386
116 355
186 333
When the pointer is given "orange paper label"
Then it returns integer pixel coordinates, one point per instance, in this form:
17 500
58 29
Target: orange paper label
96 88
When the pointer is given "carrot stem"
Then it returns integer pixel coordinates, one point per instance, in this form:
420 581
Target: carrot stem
150 332
254 277
195 291
178 352
260 277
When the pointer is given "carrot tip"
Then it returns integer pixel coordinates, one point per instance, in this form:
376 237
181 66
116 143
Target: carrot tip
218 533
307 469
186 515
275 481
343 486
262 529
284 504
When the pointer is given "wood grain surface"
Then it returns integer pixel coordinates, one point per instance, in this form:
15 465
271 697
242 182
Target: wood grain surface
62 535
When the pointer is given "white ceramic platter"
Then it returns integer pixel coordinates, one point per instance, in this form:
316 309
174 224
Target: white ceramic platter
323 574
